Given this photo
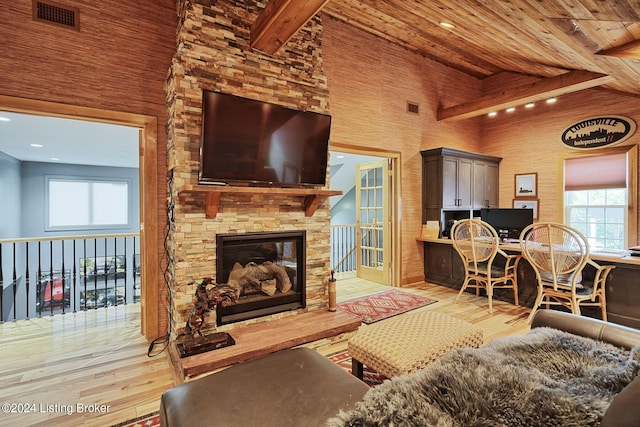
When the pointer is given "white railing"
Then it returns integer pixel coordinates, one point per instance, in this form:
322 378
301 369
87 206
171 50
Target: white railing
343 245
65 274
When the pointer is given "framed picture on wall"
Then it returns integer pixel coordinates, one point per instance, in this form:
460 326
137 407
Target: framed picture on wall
527 204
526 185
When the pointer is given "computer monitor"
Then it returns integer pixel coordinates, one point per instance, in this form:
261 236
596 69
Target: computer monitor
507 222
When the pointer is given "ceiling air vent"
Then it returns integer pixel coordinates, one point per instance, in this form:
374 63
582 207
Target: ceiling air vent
56 14
412 107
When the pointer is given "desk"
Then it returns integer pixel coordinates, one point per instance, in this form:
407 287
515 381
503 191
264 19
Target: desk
442 265
608 257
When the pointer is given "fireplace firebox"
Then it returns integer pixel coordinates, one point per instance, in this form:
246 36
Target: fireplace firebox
267 269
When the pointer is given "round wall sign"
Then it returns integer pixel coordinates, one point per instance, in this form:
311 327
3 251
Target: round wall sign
598 132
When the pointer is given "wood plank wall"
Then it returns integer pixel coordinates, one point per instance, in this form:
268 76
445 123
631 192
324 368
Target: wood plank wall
120 57
530 140
370 82
117 61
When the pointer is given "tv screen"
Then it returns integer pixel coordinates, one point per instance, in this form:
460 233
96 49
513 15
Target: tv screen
507 222
252 142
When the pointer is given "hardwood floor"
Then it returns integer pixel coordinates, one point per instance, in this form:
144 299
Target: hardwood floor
100 358
52 364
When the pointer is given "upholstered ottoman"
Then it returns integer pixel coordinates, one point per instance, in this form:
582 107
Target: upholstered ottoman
409 342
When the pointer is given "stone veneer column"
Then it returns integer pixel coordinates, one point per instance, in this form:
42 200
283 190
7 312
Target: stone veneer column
213 53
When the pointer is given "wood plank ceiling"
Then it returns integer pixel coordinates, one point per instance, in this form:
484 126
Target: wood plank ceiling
540 38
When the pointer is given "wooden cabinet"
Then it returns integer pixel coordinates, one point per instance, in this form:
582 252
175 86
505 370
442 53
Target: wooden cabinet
442 265
485 184
457 184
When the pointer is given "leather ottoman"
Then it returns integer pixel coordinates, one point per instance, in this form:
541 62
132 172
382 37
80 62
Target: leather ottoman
295 387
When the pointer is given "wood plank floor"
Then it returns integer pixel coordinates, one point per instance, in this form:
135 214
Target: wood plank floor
100 357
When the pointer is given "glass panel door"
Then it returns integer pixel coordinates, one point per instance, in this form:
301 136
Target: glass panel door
372 221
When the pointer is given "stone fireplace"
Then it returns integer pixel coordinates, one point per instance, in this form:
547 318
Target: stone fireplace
266 269
213 53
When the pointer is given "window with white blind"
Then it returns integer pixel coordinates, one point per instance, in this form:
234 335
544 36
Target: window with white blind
596 198
87 203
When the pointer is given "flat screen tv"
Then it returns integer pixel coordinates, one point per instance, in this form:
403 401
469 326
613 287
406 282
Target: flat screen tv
508 222
249 142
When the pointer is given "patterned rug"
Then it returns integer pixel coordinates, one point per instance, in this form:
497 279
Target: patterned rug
149 420
343 360
383 305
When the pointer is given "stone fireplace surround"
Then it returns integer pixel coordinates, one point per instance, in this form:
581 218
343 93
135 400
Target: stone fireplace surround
213 53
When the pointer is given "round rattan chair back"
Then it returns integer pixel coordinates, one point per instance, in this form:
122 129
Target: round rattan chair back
556 251
475 240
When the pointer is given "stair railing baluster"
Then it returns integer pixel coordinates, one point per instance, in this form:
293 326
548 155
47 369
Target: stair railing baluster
26 274
51 277
15 283
115 274
64 278
39 291
74 278
126 271
106 273
95 272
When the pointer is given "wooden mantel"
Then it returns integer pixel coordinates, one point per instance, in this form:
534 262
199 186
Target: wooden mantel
312 196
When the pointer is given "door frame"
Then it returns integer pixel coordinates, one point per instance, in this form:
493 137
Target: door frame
396 199
148 171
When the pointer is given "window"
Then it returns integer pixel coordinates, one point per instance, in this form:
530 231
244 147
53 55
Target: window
596 199
600 215
87 203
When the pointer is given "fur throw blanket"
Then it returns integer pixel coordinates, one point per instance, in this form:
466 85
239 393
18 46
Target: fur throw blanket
544 378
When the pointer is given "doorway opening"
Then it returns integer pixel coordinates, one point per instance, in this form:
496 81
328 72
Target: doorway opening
147 145
364 220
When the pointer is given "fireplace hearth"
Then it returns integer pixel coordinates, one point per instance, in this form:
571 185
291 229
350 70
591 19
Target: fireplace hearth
267 270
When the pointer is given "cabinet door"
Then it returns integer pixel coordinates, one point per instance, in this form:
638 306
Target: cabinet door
492 179
438 262
432 183
485 185
449 182
465 183
480 185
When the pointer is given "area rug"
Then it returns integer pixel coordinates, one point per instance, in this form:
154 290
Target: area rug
149 420
546 378
383 305
369 376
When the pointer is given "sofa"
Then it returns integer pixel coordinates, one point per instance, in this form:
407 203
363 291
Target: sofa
298 386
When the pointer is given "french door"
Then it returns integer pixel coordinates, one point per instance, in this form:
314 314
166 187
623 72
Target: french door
373 221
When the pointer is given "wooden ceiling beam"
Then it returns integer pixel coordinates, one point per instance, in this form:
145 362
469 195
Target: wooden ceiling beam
629 50
279 21
542 89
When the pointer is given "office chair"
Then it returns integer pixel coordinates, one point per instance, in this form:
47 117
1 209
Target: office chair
478 244
558 253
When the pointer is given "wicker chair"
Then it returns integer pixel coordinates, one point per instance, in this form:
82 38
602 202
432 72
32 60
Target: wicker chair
558 253
478 245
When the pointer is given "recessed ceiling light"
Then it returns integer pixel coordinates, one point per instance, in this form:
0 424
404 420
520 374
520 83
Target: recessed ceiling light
529 105
447 25
55 159
493 114
551 100
339 156
36 145
4 119
511 109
